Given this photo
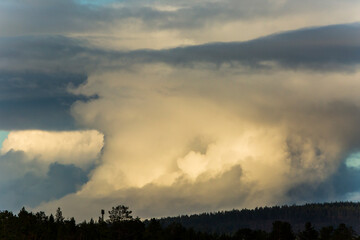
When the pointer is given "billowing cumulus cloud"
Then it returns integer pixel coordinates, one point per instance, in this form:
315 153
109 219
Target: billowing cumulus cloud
182 140
190 125
195 105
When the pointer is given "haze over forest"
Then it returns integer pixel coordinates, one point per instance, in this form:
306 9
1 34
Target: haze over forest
178 107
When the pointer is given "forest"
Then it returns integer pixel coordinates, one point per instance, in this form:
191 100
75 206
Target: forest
122 225
319 214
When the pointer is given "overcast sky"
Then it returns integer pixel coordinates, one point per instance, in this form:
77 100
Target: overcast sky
178 107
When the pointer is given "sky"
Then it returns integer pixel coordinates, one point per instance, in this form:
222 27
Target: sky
178 107
3 136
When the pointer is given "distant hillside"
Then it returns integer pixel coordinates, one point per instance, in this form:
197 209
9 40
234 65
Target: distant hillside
319 215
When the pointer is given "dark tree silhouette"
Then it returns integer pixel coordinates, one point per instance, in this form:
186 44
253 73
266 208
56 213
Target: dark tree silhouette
29 226
326 233
119 213
342 232
59 216
249 234
309 233
282 231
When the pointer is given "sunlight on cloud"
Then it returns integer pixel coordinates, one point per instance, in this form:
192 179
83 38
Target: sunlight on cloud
193 129
81 148
183 129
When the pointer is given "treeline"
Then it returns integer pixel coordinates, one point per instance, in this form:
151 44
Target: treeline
320 215
121 225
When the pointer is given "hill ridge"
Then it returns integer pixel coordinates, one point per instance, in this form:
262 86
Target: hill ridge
228 221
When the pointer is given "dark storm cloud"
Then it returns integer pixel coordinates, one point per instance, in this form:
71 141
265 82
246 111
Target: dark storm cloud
47 54
27 187
35 100
339 120
319 48
198 14
344 181
42 16
35 72
60 181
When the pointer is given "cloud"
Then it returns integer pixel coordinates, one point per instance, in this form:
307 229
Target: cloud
159 24
10 166
315 48
172 121
223 190
34 82
31 189
220 123
35 100
80 148
338 186
46 55
205 139
34 62
38 166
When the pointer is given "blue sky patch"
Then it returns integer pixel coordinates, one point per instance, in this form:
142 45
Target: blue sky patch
3 136
353 160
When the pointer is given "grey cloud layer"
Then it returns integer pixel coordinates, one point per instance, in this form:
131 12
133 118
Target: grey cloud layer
35 74
336 188
21 184
67 16
36 100
314 48
37 71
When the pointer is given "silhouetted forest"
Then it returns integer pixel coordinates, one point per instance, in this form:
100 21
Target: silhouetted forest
319 214
122 225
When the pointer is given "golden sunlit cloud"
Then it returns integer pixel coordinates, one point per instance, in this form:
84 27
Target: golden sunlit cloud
195 130
81 148
180 106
